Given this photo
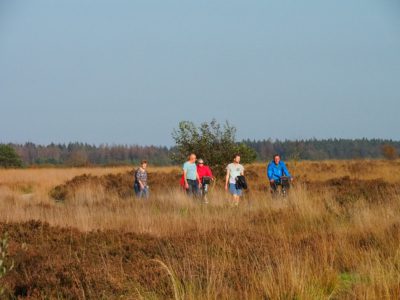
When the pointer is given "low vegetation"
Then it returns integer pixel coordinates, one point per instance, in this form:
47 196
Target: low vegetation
336 236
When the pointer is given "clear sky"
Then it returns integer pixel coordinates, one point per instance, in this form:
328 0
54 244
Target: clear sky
128 71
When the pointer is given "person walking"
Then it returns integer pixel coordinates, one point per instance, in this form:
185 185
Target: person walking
205 177
140 185
278 174
233 170
190 176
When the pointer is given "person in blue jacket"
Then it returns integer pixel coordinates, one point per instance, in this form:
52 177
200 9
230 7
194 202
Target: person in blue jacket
275 170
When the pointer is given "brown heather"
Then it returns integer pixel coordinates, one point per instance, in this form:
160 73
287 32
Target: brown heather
337 235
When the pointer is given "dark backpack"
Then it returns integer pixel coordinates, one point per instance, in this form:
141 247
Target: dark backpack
241 183
206 180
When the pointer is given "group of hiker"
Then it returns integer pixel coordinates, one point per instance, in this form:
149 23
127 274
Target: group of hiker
196 177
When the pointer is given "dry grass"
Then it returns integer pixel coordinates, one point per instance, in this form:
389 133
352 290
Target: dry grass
41 180
319 243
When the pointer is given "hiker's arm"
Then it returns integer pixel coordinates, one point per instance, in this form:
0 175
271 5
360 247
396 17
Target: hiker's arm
141 184
185 179
198 178
270 173
226 179
138 180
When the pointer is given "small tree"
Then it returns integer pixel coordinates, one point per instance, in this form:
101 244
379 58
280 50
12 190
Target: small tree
214 143
9 157
389 151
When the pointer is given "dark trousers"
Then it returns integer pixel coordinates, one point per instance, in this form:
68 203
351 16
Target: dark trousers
274 185
193 189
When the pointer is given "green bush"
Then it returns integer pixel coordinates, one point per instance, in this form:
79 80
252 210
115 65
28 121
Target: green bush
9 157
214 143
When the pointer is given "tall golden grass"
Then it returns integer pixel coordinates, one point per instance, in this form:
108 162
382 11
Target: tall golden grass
306 246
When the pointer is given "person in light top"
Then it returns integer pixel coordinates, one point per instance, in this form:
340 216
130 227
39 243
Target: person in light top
190 176
234 170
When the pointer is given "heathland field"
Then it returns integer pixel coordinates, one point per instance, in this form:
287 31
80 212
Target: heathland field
80 234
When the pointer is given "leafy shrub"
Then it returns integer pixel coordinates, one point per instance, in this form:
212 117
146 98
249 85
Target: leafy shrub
214 143
9 157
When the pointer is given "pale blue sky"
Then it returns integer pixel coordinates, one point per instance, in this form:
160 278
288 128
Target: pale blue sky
129 71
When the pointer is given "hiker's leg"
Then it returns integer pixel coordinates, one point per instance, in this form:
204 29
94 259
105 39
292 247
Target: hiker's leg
273 187
196 189
236 193
189 190
136 188
193 187
145 193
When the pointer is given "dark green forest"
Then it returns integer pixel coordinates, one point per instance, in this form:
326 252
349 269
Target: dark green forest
326 149
82 154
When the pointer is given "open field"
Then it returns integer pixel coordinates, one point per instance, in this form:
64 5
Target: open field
336 236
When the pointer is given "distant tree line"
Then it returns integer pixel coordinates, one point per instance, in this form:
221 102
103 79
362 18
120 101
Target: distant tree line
314 149
82 154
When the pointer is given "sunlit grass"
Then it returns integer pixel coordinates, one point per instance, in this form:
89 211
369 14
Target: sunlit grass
309 245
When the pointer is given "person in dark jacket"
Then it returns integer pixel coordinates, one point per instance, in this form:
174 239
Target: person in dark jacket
275 171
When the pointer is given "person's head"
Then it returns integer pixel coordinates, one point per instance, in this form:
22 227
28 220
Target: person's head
192 157
143 164
236 158
200 162
277 158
